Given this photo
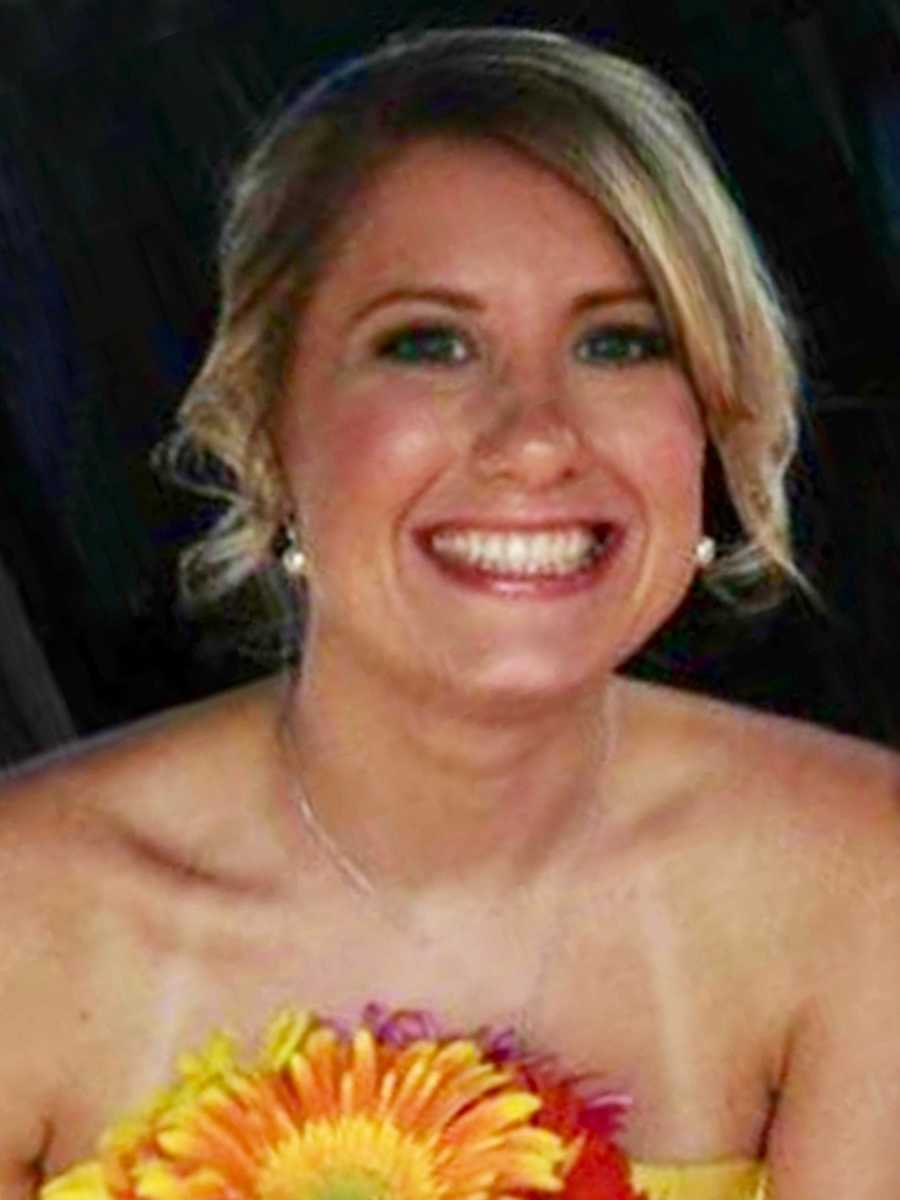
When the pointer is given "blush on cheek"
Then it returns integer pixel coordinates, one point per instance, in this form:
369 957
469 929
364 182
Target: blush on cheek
675 437
667 460
375 458
678 454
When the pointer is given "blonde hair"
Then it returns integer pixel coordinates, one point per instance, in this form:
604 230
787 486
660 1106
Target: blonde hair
606 124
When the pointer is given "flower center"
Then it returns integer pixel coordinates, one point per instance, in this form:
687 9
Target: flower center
353 1185
350 1158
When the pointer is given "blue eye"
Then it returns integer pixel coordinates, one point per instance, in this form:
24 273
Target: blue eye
619 346
424 344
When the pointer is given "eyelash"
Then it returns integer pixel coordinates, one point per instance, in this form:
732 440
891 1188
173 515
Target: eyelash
654 343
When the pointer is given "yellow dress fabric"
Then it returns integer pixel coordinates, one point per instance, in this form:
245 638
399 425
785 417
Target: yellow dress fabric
724 1179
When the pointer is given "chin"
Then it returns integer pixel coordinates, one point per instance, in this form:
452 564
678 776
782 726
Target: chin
527 682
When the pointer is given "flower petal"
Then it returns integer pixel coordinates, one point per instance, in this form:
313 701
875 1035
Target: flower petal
87 1181
284 1038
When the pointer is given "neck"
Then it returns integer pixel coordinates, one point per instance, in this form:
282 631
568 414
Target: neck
434 800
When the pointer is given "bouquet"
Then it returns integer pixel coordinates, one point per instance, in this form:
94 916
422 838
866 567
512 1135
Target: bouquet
392 1110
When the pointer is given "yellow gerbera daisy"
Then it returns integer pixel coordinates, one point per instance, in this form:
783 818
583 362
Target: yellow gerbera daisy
322 1117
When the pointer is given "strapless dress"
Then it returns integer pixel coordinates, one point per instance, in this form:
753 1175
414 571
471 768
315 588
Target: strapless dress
720 1179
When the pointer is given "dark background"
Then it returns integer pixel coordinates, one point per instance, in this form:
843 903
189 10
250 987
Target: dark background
117 123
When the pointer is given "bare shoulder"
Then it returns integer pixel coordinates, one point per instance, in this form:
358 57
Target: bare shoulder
816 812
786 764
176 784
95 842
817 779
53 851
818 817
786 845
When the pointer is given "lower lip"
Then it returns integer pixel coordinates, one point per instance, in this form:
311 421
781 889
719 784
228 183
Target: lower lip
530 587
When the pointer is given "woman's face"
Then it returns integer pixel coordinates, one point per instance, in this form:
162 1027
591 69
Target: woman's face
494 459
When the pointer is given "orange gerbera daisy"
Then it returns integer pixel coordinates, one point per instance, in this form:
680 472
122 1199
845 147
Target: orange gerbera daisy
383 1114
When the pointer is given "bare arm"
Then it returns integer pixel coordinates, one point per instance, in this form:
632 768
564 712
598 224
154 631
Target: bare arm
32 989
21 1151
837 1129
24 1117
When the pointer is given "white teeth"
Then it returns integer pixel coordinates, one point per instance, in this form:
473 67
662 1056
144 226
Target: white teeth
518 550
548 553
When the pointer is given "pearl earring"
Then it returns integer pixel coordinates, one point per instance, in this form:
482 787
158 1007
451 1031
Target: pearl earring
293 560
705 552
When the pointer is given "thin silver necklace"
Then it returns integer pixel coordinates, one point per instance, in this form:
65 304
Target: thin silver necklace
363 887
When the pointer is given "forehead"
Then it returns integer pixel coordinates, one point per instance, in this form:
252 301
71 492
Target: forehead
477 207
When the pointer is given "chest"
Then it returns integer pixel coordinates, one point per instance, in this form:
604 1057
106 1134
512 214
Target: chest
666 992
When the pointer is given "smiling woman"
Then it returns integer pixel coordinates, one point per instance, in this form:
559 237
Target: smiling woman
487 312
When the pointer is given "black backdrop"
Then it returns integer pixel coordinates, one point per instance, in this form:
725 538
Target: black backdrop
117 122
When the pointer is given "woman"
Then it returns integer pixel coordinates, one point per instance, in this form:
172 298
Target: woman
488 318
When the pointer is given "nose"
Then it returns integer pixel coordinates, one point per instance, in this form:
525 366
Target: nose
531 439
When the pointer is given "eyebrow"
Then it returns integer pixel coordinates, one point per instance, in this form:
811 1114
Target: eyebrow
598 298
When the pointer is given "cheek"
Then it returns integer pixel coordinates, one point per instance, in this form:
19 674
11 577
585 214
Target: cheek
676 458
661 450
369 458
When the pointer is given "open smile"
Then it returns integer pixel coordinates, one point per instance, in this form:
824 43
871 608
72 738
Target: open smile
545 562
